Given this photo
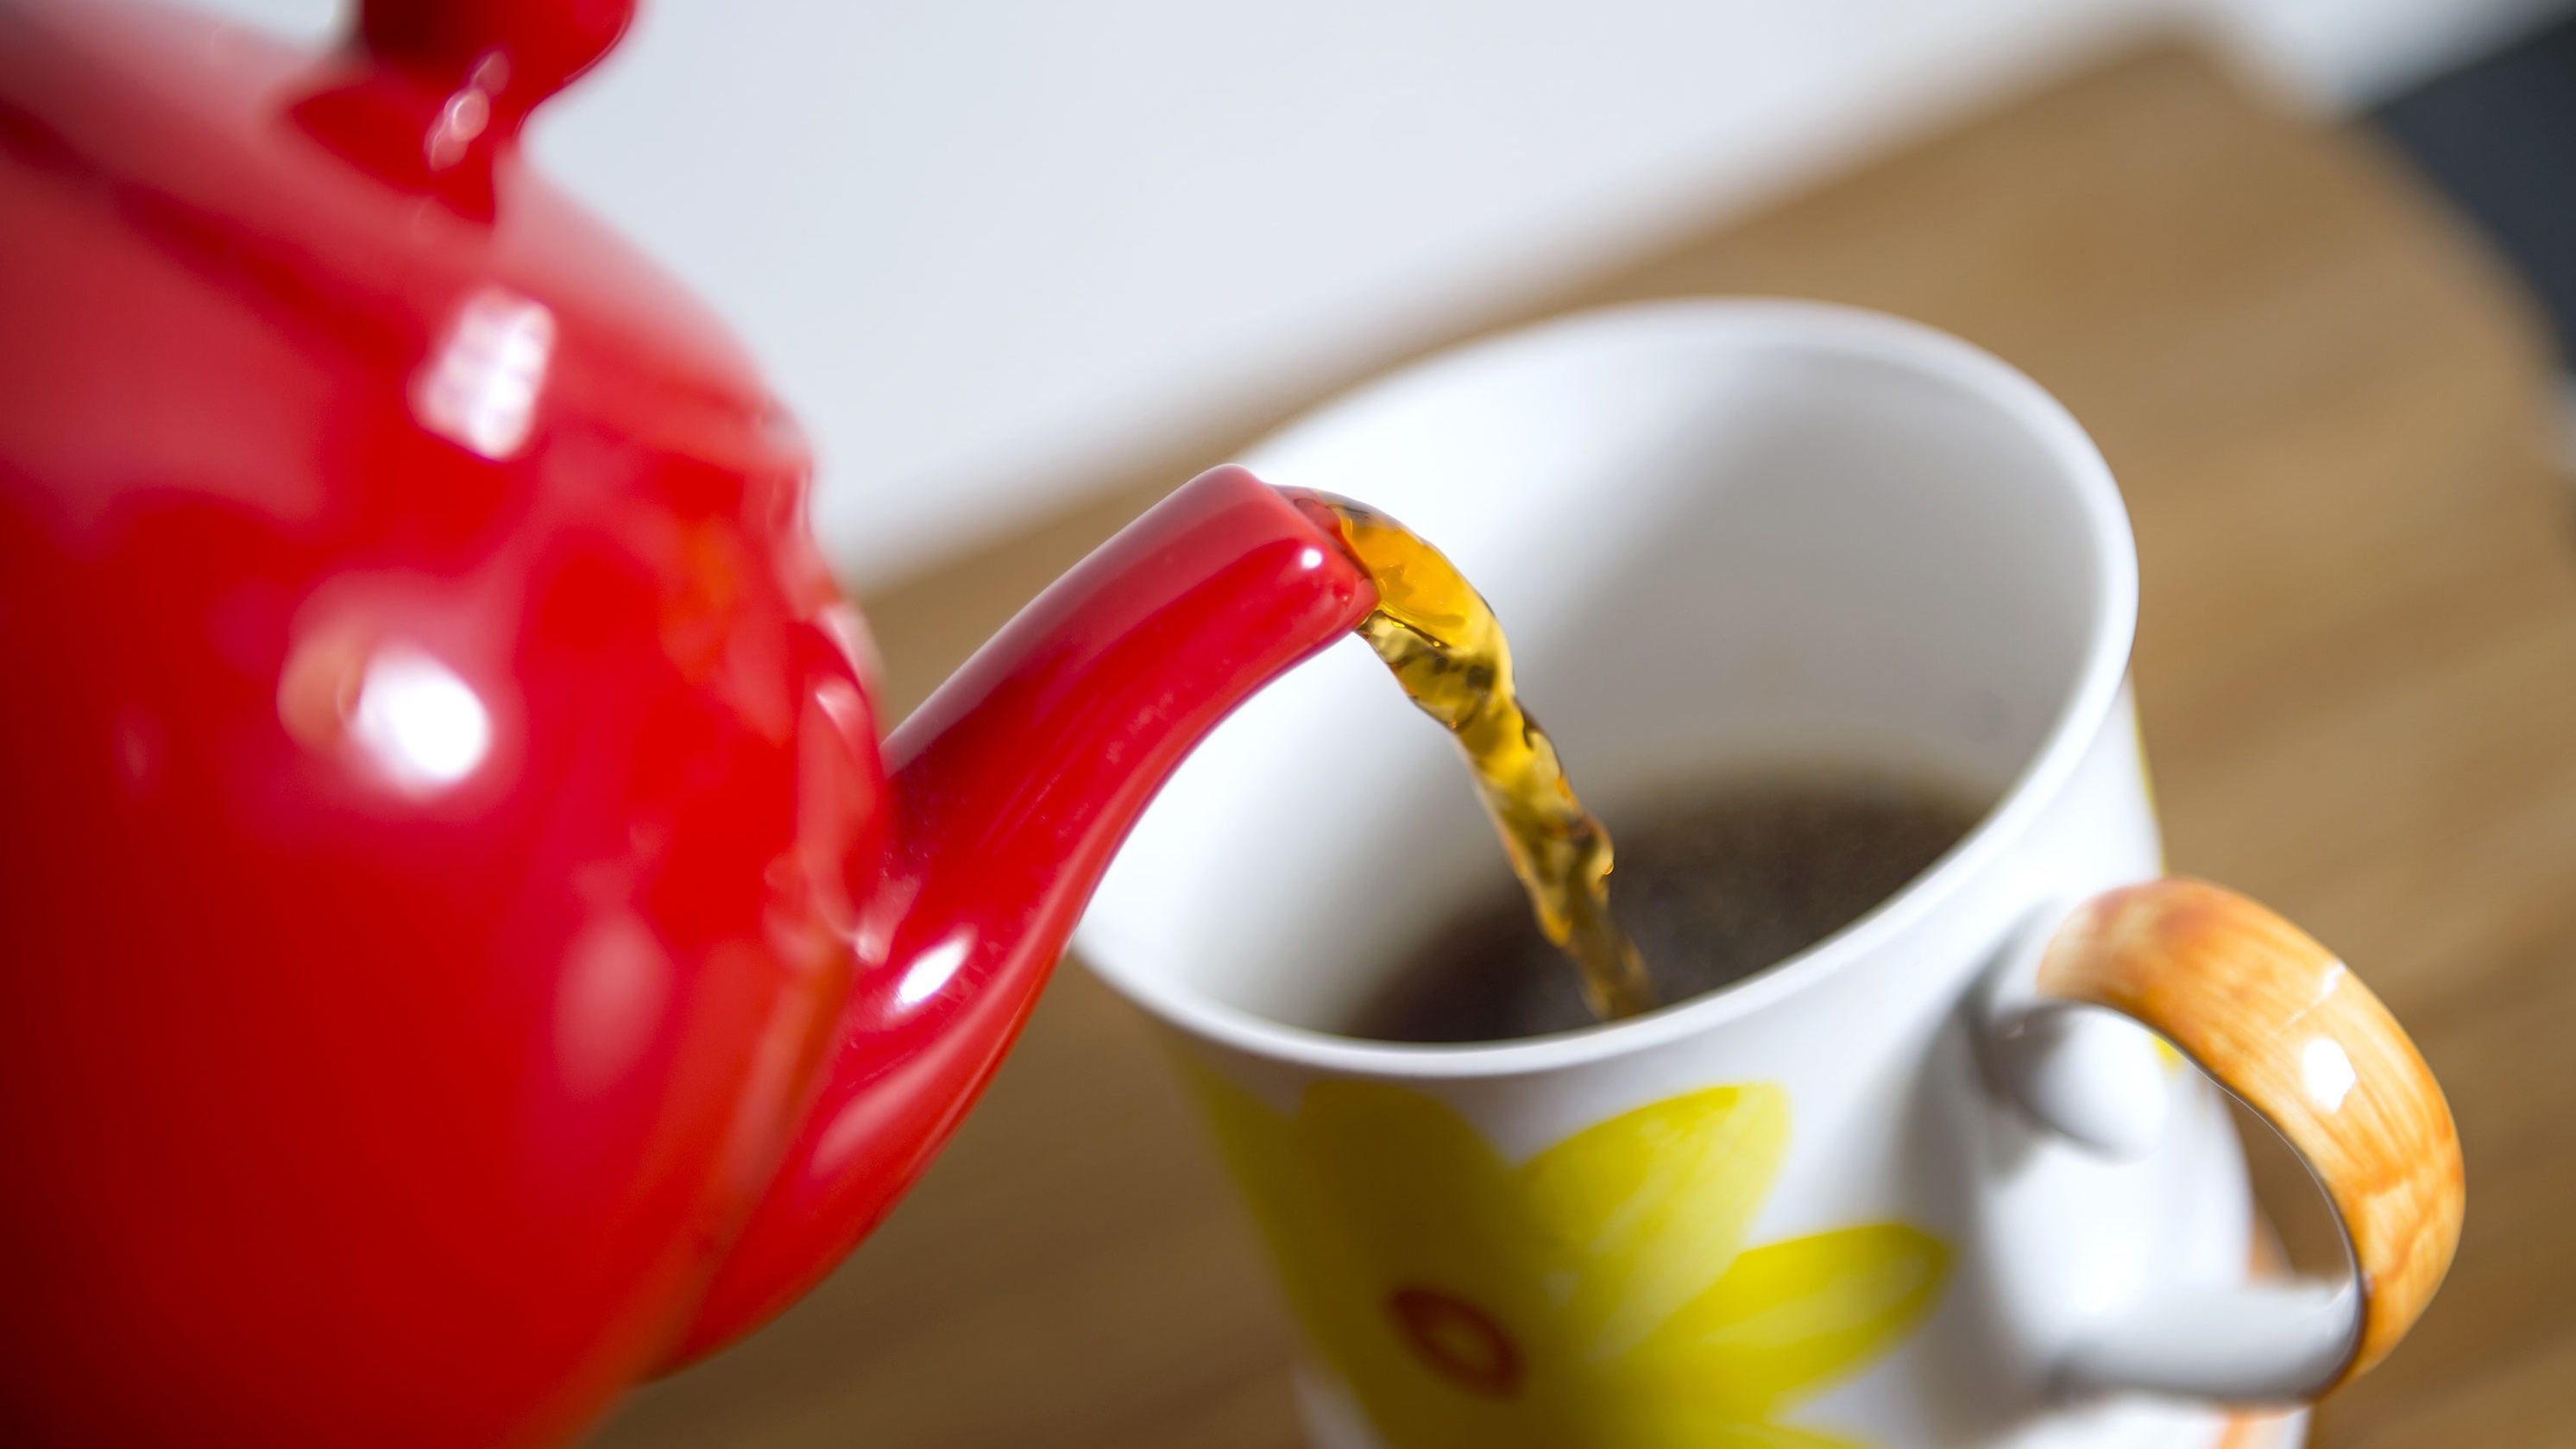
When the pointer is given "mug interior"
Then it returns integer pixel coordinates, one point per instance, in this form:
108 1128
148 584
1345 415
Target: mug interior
1723 539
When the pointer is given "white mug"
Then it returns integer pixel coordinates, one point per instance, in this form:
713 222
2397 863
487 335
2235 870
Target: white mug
1928 1182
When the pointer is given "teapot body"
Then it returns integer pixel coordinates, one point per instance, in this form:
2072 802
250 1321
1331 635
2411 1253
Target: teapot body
437 774
463 947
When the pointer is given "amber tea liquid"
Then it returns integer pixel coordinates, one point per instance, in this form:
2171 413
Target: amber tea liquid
1446 650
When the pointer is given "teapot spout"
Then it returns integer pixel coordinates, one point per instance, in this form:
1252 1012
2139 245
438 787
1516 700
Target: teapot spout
1014 784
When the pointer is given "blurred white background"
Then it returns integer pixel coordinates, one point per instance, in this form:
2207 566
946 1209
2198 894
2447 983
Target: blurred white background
988 249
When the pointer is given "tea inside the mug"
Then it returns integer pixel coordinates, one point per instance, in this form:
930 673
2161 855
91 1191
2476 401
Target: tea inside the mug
1732 879
1712 887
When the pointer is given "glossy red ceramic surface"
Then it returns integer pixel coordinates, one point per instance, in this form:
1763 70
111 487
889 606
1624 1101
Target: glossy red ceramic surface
449 867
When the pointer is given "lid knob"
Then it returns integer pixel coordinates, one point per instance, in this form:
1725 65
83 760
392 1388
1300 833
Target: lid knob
443 83
514 53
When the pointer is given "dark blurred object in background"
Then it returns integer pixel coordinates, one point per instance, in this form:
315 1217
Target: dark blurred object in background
2499 137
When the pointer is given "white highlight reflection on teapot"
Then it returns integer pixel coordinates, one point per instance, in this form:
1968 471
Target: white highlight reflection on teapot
419 722
480 389
933 968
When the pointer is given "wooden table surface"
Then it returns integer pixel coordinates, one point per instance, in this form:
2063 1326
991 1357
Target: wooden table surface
2356 664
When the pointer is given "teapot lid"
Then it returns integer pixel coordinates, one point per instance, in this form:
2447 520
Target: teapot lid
370 205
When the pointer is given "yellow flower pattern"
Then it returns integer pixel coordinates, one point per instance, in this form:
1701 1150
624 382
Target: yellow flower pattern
1600 1295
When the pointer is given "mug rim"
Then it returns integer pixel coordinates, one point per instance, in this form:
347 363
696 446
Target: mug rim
1783 323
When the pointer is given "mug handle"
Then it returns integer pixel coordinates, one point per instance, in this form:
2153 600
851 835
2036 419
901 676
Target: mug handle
2280 1022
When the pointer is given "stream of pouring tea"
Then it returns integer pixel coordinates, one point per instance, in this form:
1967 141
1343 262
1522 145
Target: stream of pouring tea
1437 636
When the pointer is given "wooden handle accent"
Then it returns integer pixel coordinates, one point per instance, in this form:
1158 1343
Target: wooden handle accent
2278 1020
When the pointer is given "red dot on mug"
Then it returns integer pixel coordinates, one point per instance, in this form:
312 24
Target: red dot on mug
1460 1341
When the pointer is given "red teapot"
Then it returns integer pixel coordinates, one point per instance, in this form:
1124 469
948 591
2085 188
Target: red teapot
462 945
